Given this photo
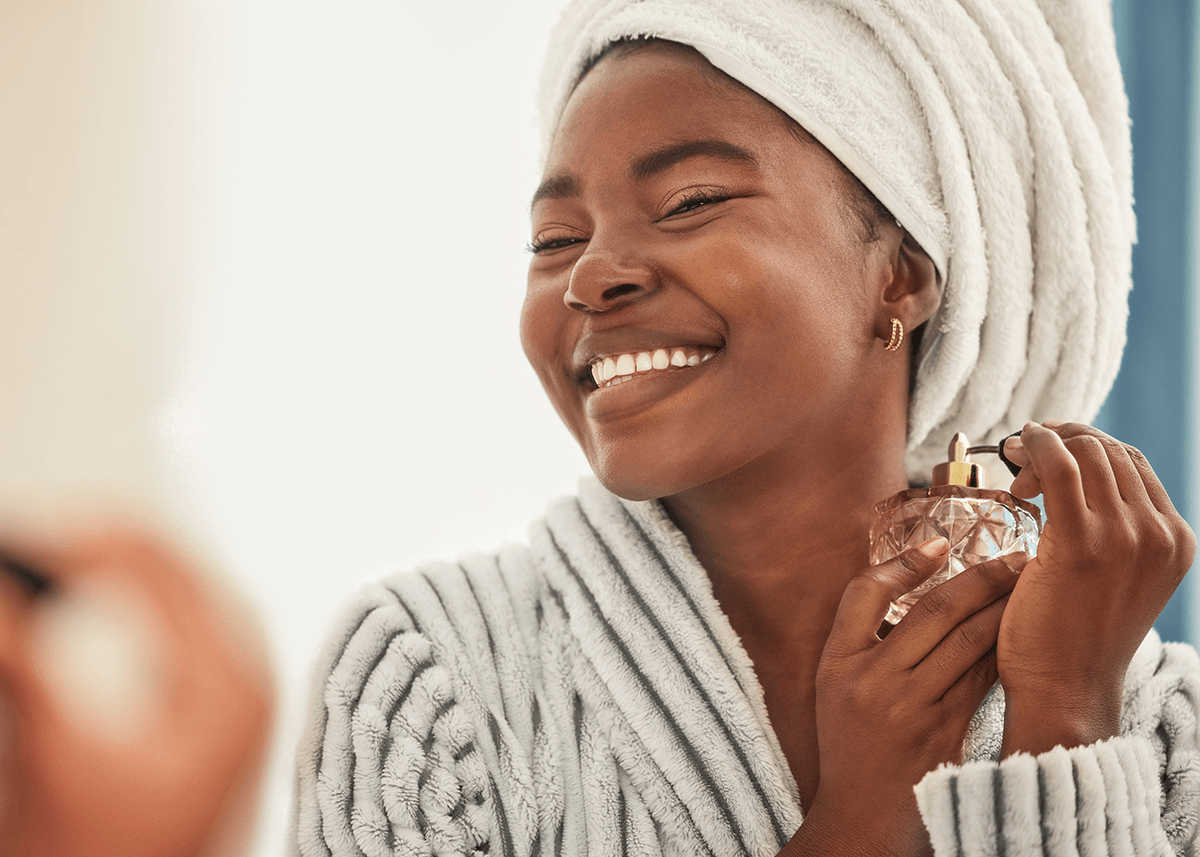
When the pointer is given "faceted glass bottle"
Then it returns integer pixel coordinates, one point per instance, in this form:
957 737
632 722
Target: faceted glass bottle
980 523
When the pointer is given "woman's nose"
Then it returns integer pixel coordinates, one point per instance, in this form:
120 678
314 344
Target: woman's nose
601 281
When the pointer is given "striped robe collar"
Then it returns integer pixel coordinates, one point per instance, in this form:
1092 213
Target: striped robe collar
661 662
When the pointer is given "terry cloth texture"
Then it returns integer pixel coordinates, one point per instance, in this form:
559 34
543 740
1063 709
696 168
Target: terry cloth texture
586 695
996 131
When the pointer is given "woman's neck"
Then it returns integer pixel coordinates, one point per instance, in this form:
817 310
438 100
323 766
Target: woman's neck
782 539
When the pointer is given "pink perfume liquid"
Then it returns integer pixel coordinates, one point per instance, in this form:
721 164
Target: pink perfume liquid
979 523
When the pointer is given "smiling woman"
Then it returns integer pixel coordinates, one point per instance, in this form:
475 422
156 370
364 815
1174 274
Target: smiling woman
684 659
738 244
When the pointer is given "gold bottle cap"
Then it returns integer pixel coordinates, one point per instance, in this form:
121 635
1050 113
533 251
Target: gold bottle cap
958 470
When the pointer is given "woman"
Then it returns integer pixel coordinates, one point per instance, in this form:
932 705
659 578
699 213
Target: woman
686 659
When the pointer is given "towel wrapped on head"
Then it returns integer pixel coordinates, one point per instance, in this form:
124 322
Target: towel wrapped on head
995 131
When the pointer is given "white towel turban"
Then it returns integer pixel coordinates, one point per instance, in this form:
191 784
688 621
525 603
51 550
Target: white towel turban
997 133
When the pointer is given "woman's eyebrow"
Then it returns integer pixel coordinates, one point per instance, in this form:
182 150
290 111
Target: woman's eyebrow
555 187
651 164
663 159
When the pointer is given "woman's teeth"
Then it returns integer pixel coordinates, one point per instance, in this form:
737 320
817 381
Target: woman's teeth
618 368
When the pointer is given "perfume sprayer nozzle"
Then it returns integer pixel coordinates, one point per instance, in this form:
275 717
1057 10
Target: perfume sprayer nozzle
959 469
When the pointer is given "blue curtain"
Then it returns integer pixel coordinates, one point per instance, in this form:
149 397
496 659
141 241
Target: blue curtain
1151 404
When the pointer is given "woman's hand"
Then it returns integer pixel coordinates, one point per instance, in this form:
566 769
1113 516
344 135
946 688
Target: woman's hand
889 711
1111 553
135 708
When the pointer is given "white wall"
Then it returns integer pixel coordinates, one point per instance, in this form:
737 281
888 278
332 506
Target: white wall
353 397
335 193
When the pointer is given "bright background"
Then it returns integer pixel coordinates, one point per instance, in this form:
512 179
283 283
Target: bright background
354 393
335 194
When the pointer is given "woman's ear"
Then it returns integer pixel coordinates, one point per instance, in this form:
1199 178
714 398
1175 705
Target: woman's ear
913 290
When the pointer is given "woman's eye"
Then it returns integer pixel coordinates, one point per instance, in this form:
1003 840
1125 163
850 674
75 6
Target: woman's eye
543 245
695 200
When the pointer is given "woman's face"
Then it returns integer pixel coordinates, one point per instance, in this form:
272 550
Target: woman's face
680 218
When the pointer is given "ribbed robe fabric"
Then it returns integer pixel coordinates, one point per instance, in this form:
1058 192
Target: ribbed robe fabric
586 695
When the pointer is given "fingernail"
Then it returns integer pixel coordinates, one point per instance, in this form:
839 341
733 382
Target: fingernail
1015 456
1051 424
935 547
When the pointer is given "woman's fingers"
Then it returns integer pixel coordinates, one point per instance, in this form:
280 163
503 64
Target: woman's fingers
16 676
1130 481
119 556
1097 456
1058 473
866 599
969 641
1135 477
968 692
1100 489
171 643
130 688
1150 481
99 642
946 621
1087 442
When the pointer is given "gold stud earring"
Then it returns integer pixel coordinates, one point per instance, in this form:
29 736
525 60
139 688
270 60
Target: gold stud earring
897 335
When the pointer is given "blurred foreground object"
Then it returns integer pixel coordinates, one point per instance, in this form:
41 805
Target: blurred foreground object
94 202
136 703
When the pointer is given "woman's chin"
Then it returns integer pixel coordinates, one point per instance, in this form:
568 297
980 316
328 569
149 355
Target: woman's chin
645 481
623 483
631 491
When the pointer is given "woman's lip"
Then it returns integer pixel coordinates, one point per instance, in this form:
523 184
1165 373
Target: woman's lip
641 391
634 340
612 369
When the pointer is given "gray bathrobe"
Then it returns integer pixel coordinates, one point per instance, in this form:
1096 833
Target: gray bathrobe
585 694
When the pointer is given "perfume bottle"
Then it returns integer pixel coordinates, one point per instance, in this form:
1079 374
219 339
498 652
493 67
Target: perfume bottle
980 523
